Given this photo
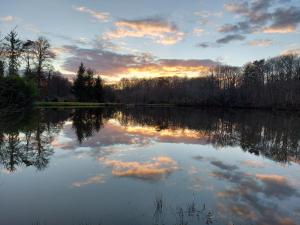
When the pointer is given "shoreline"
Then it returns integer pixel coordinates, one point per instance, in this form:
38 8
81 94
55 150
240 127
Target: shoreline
95 104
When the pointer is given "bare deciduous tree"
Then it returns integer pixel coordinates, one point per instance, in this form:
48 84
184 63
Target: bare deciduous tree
42 56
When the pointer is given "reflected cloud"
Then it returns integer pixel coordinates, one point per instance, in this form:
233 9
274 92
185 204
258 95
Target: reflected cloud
198 157
253 163
154 170
98 179
223 166
276 186
253 197
177 135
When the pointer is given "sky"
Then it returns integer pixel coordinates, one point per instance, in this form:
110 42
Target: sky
143 38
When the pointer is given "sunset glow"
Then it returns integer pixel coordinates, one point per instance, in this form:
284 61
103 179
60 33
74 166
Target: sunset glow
135 39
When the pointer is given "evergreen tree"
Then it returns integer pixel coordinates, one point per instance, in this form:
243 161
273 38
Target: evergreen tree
13 47
79 84
2 67
98 90
89 82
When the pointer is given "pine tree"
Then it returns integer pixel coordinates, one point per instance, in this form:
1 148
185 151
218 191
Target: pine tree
13 47
98 90
2 69
89 82
79 84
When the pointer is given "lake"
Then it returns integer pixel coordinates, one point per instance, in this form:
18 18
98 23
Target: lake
171 166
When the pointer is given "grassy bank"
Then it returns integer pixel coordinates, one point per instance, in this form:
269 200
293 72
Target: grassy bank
93 104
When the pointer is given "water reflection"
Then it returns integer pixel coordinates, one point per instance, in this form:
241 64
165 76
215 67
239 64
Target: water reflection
212 166
27 138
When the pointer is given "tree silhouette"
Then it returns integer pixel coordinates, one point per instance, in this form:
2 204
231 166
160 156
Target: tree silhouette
13 48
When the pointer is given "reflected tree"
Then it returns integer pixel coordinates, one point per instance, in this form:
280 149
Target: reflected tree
273 135
27 140
88 121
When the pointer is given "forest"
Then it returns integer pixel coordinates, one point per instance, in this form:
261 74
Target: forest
27 75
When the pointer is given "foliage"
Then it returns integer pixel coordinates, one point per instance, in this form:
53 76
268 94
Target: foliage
13 51
86 88
16 92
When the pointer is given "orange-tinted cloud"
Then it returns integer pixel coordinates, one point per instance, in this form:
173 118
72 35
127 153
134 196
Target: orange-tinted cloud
158 29
274 178
98 179
155 169
253 163
280 29
114 66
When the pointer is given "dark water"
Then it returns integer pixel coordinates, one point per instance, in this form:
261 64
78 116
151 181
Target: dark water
149 166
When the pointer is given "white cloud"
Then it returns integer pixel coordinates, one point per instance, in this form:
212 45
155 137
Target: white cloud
6 19
100 16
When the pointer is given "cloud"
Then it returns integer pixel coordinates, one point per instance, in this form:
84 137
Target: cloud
260 16
240 26
153 170
203 45
253 197
238 8
98 179
156 28
208 45
198 157
230 38
6 19
223 166
100 16
260 42
115 66
198 31
253 163
294 51
276 186
284 20
279 30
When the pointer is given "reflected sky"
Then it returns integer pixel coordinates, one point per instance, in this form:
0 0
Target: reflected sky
150 166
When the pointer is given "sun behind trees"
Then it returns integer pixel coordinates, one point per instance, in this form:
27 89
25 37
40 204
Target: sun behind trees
272 83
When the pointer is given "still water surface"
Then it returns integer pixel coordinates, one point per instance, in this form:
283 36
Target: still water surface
149 166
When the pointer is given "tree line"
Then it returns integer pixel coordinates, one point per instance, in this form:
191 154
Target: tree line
271 83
